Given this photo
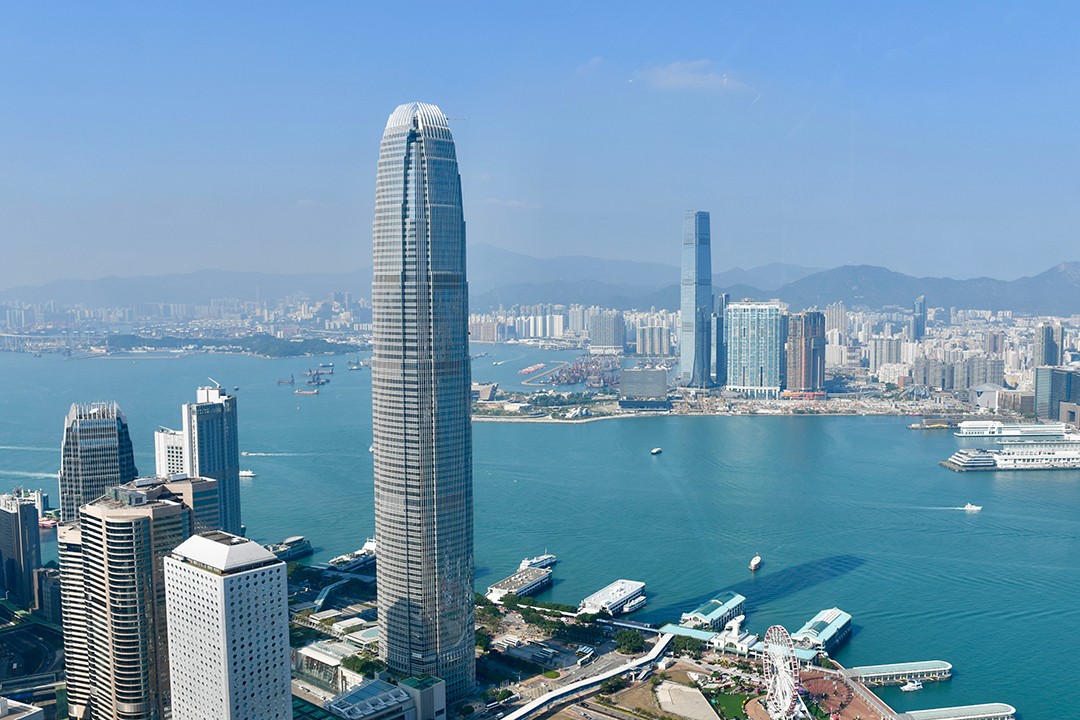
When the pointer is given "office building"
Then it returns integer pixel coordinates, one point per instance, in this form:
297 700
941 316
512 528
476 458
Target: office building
696 305
420 388
47 594
754 339
226 601
112 596
1054 386
96 455
14 710
207 447
806 352
20 547
718 353
1049 345
918 319
168 452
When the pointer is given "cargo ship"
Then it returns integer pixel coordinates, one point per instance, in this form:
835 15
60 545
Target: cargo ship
532 368
292 548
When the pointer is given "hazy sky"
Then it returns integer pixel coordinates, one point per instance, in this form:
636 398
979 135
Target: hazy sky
934 139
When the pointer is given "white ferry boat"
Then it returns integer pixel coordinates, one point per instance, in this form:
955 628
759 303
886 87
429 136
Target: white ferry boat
912 686
635 604
247 473
540 561
656 451
996 428
972 508
756 562
350 562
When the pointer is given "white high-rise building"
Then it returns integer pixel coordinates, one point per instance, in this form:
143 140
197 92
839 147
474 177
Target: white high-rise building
421 397
168 452
226 603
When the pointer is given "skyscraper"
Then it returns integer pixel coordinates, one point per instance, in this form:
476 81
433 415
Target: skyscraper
206 447
20 547
918 319
1049 345
226 600
695 333
421 403
806 351
754 339
113 595
718 353
96 455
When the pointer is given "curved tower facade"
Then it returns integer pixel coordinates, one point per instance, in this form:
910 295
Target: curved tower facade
695 333
421 403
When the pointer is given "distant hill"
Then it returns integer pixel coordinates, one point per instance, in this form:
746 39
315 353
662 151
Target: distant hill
1054 292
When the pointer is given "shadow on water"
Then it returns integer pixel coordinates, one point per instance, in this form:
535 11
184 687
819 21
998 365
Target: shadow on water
783 583
479 572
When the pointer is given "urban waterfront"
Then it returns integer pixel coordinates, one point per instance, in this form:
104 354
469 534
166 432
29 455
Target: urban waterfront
846 511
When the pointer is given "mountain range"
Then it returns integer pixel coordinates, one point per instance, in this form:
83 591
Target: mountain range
500 277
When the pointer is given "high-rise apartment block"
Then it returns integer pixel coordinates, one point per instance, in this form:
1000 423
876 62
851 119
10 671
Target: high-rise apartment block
836 318
696 306
806 352
20 547
420 400
754 339
718 352
113 595
1049 345
226 602
607 333
96 455
207 446
884 351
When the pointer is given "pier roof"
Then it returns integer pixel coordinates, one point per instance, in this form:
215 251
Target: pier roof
987 711
703 635
919 666
719 606
823 626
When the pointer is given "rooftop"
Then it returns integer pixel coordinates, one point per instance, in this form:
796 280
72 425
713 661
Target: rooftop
520 579
824 625
703 635
921 665
613 592
421 683
964 712
370 697
720 605
223 552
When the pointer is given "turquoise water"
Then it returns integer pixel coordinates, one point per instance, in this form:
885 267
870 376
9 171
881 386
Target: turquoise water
846 511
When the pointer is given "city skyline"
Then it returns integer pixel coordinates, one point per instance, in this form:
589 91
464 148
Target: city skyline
421 404
930 141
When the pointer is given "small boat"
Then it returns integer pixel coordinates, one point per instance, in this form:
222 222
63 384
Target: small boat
656 451
245 452
972 508
47 522
247 473
756 562
235 388
306 392
635 604
912 686
371 449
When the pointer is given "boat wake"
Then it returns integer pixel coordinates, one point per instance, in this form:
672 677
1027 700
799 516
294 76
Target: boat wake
29 449
22 473
251 454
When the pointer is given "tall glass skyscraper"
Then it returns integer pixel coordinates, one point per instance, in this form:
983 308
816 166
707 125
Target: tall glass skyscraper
695 332
96 455
421 401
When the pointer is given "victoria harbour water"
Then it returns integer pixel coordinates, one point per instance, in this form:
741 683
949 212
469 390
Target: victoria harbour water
852 512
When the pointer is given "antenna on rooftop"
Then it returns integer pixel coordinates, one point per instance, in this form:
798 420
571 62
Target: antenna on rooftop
214 381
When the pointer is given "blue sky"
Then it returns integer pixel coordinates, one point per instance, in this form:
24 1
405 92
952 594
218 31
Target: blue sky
934 139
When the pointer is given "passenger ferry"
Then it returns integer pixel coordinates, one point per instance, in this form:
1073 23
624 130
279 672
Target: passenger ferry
1049 454
540 561
996 428
756 562
247 473
635 604
292 548
351 562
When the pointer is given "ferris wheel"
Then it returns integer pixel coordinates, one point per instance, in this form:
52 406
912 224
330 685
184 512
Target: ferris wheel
781 674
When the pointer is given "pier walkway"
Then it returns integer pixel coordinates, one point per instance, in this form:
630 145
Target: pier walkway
564 693
900 673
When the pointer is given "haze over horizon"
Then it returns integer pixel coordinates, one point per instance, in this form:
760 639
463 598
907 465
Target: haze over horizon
934 141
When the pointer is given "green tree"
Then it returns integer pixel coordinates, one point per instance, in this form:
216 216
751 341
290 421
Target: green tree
629 641
503 695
